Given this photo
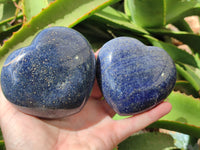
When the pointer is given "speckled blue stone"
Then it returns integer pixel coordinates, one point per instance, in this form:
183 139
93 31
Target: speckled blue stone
52 77
134 77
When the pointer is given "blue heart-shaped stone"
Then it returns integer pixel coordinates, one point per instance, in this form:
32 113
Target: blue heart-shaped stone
134 77
52 77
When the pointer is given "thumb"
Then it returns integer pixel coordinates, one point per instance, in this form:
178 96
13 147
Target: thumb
126 127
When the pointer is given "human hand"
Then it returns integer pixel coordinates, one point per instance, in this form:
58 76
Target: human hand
92 128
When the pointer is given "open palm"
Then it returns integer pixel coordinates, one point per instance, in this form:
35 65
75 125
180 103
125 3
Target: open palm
92 128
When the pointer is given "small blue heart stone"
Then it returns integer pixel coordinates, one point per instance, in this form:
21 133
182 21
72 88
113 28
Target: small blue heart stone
52 77
134 77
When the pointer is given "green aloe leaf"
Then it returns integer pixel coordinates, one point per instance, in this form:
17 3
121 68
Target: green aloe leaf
177 9
191 74
7 10
147 141
177 54
89 27
184 116
118 19
192 40
182 25
146 13
8 32
1 135
6 29
157 13
126 9
5 24
187 88
2 145
32 8
60 13
49 1
2 1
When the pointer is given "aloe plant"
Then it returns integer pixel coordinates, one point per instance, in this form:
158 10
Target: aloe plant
146 20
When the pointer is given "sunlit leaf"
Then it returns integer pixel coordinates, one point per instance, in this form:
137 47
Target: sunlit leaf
142 13
49 1
191 74
116 18
184 116
177 9
7 10
33 7
147 141
157 13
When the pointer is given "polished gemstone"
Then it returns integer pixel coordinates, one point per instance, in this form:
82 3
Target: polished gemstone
52 77
134 77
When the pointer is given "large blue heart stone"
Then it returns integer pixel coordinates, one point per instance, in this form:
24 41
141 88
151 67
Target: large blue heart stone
134 77
52 77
